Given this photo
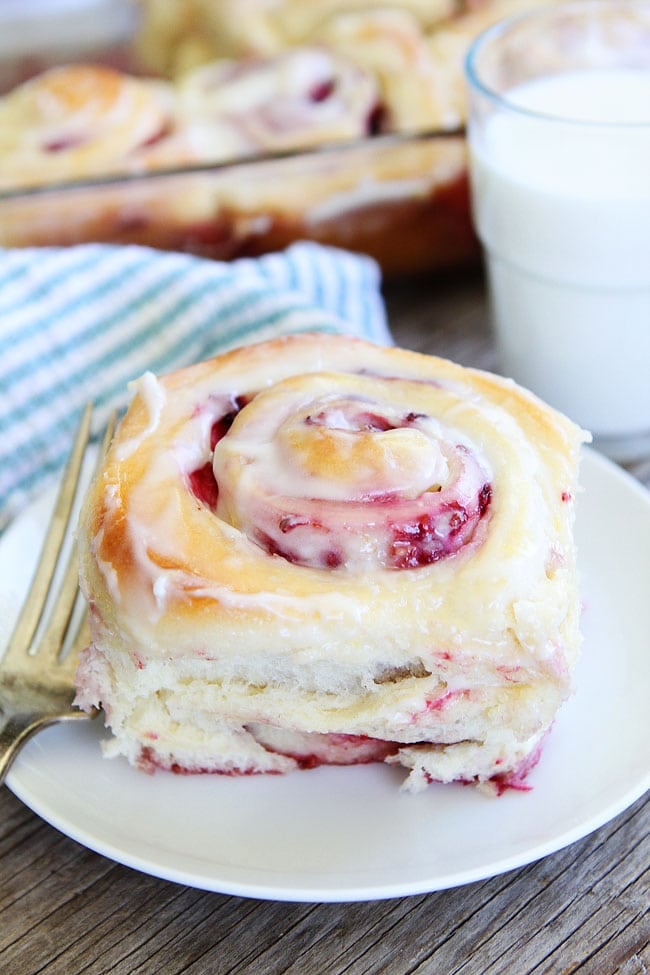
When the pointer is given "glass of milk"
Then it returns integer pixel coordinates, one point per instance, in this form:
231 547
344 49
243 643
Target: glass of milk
559 138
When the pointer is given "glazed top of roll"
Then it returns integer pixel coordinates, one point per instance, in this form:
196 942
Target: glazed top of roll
326 480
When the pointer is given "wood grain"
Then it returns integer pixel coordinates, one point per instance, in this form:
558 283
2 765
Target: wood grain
64 910
67 911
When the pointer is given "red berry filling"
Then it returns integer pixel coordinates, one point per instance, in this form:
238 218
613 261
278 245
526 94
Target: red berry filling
63 143
321 91
202 482
204 485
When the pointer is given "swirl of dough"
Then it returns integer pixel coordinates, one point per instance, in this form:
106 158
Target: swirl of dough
330 471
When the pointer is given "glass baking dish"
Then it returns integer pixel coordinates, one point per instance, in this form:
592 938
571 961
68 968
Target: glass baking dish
403 199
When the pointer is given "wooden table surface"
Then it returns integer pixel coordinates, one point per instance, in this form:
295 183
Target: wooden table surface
69 911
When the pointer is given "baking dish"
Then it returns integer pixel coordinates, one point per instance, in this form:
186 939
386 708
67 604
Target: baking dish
402 199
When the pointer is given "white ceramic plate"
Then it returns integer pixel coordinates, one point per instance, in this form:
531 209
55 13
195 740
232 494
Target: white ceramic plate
335 834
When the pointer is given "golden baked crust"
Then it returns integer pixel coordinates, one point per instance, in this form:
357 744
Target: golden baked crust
317 537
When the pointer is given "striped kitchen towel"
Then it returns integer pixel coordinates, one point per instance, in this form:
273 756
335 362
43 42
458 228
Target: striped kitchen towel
78 324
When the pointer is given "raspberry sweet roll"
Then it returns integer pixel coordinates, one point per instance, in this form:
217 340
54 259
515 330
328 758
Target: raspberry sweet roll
317 550
296 100
78 121
390 45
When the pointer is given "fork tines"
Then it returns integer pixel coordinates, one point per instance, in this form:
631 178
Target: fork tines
43 614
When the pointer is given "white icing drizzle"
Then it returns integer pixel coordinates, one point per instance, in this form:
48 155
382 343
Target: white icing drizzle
106 569
152 394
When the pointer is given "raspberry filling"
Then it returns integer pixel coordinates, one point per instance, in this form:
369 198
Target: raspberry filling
203 485
329 479
201 481
63 143
321 90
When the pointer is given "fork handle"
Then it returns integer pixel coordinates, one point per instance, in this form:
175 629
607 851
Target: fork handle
15 729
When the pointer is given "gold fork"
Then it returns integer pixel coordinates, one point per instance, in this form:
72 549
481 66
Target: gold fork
37 668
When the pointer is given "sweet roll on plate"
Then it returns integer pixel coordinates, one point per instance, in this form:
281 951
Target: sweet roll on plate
318 550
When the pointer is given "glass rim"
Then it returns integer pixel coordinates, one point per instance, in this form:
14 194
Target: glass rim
501 27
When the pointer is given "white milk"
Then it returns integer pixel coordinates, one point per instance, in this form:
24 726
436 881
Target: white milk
563 210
